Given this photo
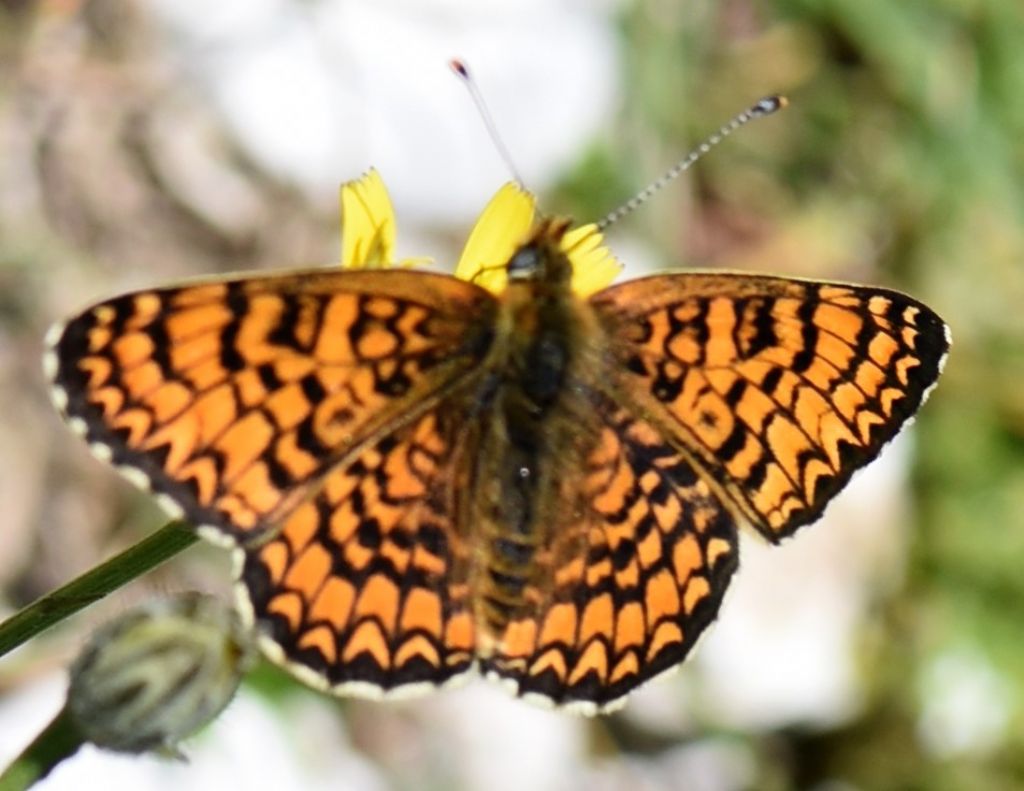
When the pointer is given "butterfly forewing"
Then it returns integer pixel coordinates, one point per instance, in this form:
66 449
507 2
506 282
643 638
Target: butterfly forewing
233 398
778 389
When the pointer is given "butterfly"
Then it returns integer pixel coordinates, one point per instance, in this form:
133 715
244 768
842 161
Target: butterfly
521 469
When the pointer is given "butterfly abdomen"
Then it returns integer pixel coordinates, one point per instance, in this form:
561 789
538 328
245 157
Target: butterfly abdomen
527 434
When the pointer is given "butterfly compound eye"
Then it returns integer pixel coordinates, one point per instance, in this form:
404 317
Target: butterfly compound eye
525 263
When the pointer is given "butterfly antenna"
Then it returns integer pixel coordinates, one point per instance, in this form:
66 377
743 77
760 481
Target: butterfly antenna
462 72
766 106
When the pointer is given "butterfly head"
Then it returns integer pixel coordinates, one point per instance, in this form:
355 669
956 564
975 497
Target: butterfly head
541 258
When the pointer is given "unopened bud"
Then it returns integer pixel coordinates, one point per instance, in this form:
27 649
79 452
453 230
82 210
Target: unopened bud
157 674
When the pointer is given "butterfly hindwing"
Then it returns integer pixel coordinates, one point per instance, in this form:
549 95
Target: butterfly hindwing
365 588
232 397
635 570
778 388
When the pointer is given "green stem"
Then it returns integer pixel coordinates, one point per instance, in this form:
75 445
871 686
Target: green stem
58 740
92 586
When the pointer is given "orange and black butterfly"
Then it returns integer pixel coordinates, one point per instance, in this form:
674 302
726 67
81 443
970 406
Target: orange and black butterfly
520 468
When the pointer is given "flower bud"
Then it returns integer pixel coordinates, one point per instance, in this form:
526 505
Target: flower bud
158 673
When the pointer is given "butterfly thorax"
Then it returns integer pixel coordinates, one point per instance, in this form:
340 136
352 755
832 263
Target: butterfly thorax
528 430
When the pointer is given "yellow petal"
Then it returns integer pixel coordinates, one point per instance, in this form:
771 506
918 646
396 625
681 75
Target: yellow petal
593 265
368 237
502 226
367 223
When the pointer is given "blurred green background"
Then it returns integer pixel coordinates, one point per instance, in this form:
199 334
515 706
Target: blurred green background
899 162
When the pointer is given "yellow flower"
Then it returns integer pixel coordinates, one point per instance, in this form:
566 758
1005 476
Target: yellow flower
368 233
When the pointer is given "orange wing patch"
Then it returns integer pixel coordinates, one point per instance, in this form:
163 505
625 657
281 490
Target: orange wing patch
365 588
635 577
780 389
232 397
